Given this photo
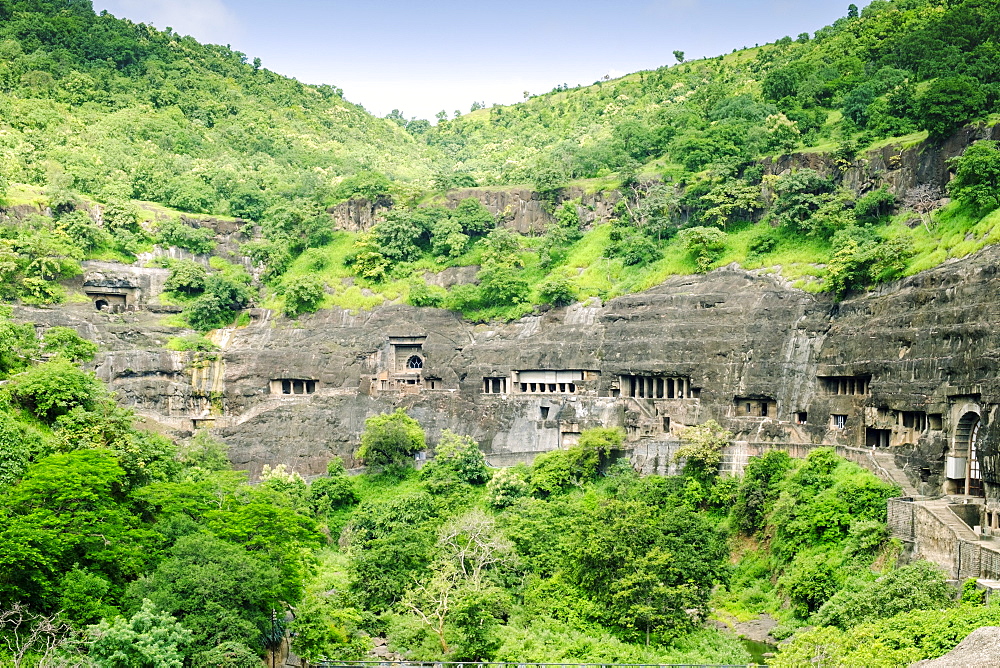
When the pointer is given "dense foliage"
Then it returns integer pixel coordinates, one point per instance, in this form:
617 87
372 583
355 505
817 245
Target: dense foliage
102 110
120 544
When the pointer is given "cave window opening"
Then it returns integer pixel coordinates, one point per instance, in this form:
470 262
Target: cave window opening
801 417
545 412
414 362
839 421
101 304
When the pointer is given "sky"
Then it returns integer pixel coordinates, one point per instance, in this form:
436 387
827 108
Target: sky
425 57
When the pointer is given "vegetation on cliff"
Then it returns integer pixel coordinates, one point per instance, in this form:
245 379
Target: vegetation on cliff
101 111
117 542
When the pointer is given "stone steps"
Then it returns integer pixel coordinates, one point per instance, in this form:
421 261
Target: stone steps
939 508
885 466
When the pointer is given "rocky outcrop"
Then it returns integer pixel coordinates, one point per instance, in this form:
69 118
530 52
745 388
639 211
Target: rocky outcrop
358 215
924 347
900 168
900 368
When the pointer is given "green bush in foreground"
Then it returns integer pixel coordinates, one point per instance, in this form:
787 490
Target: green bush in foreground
895 641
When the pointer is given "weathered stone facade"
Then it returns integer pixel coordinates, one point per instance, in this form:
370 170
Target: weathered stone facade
908 372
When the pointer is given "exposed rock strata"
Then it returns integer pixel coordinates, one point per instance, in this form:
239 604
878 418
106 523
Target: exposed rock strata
926 346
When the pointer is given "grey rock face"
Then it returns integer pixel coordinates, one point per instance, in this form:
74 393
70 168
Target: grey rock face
900 367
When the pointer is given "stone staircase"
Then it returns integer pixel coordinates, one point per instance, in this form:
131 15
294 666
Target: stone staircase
884 465
939 508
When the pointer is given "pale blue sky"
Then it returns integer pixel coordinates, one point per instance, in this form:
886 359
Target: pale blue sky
421 57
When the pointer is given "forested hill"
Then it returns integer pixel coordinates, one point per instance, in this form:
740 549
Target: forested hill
101 109
894 68
119 110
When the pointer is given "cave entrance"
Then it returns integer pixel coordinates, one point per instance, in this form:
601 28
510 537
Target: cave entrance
101 304
963 473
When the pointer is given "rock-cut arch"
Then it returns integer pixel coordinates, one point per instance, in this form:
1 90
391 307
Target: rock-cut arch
415 362
968 434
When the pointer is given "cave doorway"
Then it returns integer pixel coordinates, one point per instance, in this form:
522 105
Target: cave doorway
101 304
968 433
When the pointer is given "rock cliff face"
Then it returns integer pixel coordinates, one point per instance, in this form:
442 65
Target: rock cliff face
910 370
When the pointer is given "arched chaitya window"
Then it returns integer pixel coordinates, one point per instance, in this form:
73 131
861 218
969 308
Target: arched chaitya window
415 362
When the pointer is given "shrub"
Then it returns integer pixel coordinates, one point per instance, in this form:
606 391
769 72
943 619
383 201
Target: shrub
551 472
635 249
186 277
977 176
390 439
191 342
54 388
809 582
507 486
558 291
69 344
199 240
422 294
456 458
704 244
303 294
917 586
501 286
149 638
875 206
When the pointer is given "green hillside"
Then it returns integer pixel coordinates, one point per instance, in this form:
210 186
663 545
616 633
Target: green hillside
119 110
102 110
897 68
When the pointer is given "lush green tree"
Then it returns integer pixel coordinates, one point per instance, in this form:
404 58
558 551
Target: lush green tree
390 543
701 449
56 387
644 566
66 342
226 655
19 446
862 258
592 449
148 639
507 485
66 510
558 291
186 277
457 459
977 176
474 218
400 235
18 345
460 602
219 590
758 489
948 103
875 206
551 473
501 285
84 597
917 586
303 294
370 185
390 439
174 232
326 629
800 195
704 244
